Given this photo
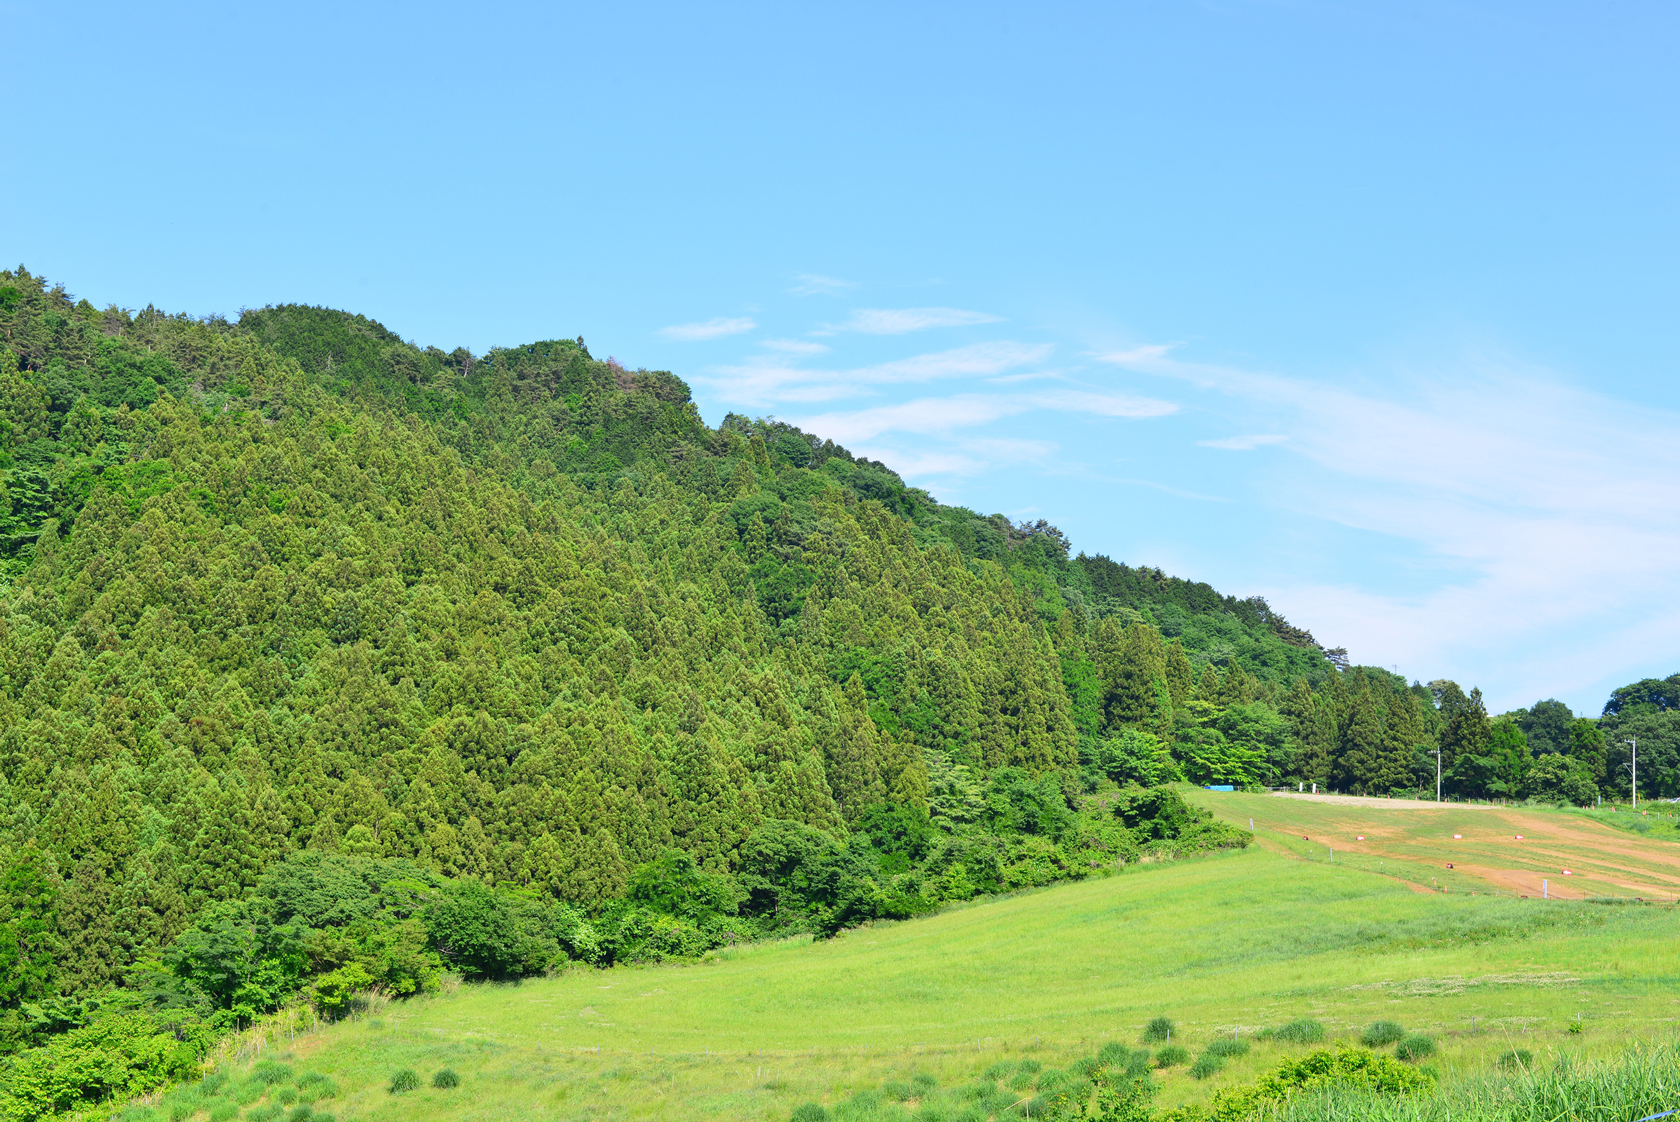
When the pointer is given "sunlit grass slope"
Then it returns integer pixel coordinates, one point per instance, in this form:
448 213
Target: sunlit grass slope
1221 945
1503 849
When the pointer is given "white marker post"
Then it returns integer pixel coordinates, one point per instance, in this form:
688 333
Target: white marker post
1544 892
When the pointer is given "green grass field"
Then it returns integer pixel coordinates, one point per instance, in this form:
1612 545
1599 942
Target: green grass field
1225 946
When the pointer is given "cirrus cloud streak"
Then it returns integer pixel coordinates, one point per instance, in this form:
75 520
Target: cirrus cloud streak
1547 507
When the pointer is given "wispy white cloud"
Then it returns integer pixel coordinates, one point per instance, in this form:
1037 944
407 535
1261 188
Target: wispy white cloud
923 464
813 284
794 346
1102 404
924 416
901 321
1244 443
963 457
943 415
711 329
1548 506
766 381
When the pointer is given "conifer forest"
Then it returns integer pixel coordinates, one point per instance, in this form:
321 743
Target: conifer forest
330 661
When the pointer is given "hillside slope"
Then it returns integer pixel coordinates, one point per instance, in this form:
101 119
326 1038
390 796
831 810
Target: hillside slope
524 633
981 1008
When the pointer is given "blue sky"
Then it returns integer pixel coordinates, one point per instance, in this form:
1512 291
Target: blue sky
1365 307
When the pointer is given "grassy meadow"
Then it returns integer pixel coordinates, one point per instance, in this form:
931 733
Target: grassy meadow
1225 946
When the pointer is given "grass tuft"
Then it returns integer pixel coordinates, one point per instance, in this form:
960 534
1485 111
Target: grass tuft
1207 1064
404 1080
445 1079
1380 1034
1173 1055
1415 1047
1519 1060
1158 1031
271 1072
810 1112
1303 1030
1228 1048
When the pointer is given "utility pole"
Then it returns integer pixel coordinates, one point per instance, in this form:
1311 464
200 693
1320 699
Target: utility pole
1437 753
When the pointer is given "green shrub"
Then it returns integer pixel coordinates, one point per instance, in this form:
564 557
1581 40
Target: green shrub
1521 1059
445 1079
1157 1031
1381 1034
1414 1048
404 1080
1207 1064
1228 1048
1345 1068
1303 1030
1173 1055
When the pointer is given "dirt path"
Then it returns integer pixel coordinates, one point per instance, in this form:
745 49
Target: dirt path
1386 804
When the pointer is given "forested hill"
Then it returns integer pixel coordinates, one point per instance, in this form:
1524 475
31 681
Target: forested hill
291 602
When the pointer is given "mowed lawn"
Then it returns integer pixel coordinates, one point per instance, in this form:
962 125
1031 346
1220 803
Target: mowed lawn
1225 944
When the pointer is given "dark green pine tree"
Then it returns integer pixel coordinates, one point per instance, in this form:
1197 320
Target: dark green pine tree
91 952
1300 710
1208 686
1359 763
1181 679
1402 736
1465 743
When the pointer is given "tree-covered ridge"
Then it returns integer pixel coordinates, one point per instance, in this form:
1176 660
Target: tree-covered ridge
520 634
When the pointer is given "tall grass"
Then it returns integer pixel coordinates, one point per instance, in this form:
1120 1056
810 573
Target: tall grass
1644 1080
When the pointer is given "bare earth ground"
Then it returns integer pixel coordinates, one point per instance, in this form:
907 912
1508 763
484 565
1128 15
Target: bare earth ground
1522 851
1390 804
